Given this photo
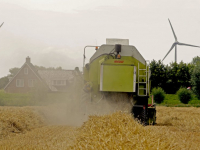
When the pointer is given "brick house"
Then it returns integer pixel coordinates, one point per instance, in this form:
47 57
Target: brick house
28 78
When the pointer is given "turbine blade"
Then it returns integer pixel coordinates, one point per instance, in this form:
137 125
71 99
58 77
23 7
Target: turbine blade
1 24
169 50
188 45
173 30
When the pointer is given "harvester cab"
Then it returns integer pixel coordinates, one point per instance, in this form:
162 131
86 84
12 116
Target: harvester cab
118 68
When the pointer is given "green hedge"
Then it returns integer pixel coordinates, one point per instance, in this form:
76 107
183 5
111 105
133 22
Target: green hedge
158 95
184 95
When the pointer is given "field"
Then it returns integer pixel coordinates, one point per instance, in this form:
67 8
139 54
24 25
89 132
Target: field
53 127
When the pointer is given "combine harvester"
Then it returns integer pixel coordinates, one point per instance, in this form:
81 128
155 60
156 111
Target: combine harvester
117 67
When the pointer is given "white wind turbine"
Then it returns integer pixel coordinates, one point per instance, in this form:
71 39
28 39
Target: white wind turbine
175 44
1 24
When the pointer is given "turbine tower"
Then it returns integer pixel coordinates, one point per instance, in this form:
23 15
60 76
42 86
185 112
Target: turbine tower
175 44
1 24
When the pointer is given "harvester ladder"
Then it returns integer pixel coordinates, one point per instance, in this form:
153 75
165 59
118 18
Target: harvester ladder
145 82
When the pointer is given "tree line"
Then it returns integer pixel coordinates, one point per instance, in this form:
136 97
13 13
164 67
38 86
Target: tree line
176 75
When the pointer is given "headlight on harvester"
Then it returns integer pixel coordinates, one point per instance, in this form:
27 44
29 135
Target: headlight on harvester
118 56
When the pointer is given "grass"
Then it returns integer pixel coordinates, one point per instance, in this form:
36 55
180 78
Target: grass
31 99
172 100
17 99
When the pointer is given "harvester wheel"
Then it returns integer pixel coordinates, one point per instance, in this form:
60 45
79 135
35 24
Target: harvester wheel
139 114
143 117
151 115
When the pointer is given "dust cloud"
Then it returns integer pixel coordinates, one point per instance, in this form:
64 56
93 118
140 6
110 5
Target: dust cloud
74 111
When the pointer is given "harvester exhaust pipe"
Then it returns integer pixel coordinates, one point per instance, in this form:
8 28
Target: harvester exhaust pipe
117 49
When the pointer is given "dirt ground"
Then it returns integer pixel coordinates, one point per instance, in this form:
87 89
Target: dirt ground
32 128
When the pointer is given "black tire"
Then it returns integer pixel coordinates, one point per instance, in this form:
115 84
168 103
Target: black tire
143 117
151 115
140 115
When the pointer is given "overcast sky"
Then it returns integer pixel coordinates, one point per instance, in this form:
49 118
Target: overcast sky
54 32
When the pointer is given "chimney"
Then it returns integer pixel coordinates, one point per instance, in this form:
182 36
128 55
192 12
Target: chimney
28 59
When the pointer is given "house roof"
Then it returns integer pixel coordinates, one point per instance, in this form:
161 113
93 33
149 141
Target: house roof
35 71
31 67
50 75
46 76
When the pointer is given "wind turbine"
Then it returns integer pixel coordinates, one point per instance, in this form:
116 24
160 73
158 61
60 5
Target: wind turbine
175 44
1 24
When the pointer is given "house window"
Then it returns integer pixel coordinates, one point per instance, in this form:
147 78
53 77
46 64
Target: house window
31 83
20 83
25 70
59 82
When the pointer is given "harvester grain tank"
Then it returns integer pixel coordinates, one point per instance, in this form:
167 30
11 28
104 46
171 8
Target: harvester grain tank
117 67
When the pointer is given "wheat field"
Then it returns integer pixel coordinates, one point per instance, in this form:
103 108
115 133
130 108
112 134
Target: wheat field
27 128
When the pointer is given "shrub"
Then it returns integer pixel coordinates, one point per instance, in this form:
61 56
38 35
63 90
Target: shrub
184 95
159 95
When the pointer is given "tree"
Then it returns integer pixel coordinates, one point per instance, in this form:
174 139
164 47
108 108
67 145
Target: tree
3 82
193 63
179 76
195 79
170 78
158 74
183 74
195 60
13 71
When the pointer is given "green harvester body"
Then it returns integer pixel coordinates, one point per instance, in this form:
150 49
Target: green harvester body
120 68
